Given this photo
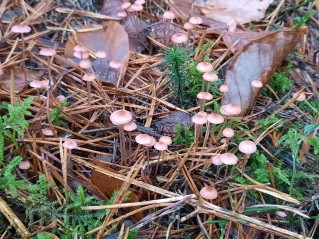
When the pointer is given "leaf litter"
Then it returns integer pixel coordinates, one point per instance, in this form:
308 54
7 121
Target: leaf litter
159 189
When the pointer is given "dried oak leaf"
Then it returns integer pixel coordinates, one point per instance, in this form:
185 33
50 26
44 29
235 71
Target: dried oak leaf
112 39
258 60
242 11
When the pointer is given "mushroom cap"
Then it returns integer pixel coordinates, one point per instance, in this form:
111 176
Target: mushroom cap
203 113
100 54
47 132
232 109
122 14
39 84
301 97
79 48
228 132
224 88
160 146
281 214
256 84
130 126
229 158
179 38
60 98
47 51
204 67
247 147
199 119
166 140
223 111
125 5
70 144
215 118
216 160
25 165
152 143
137 7
210 76
143 139
116 64
196 20
189 26
21 28
85 64
81 55
169 15
140 1
89 77
120 117
204 96
208 193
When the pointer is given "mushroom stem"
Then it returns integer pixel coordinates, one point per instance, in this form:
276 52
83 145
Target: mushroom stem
244 162
122 143
212 135
24 59
206 134
89 92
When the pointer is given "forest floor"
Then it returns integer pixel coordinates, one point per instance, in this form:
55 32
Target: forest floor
159 119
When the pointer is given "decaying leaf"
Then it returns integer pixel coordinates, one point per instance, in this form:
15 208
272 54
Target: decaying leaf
257 61
18 79
108 185
242 11
112 39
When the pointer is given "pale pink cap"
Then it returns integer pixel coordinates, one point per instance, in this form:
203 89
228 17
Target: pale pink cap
120 117
247 147
189 26
208 193
203 113
143 139
79 48
125 5
210 76
169 15
137 7
47 132
81 55
204 96
216 160
70 144
281 214
39 83
166 140
232 109
179 38
116 64
153 141
256 84
196 20
228 132
130 126
89 77
100 54
47 52
122 14
25 165
160 146
204 67
224 88
199 119
21 29
215 118
60 98
301 97
229 158
85 64
139 2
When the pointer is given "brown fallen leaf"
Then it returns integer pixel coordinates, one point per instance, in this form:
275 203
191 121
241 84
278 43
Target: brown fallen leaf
112 39
258 60
241 11
108 185
18 76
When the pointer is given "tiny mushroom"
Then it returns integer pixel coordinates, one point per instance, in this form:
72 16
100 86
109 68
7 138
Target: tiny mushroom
88 78
169 15
208 193
300 97
216 160
48 53
229 158
203 96
24 165
257 84
179 38
247 147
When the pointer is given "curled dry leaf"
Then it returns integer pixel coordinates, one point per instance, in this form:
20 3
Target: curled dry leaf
242 11
257 61
112 39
